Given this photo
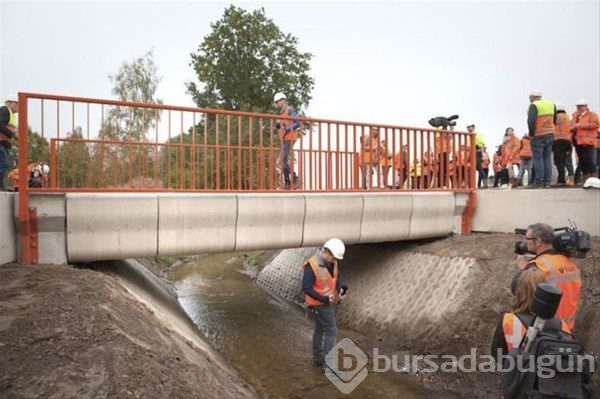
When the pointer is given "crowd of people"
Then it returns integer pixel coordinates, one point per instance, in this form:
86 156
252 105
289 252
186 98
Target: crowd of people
517 162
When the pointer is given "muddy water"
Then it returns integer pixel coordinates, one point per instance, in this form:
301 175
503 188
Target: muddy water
267 340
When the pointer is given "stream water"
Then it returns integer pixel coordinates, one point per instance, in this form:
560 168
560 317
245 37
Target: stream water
266 339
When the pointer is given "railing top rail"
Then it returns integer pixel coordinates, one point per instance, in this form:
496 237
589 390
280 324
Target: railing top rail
165 107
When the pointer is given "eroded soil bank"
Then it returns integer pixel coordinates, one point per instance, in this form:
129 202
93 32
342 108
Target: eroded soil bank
67 332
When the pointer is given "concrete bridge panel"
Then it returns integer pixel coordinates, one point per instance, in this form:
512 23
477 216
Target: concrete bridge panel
386 217
269 221
111 226
332 215
432 215
8 239
196 223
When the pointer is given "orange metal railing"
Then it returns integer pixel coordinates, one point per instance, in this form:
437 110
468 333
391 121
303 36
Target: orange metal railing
99 145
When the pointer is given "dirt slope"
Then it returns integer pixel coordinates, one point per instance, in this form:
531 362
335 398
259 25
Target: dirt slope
66 332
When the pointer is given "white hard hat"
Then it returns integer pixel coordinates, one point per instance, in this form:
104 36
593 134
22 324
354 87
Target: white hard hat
592 182
336 247
45 169
12 98
279 96
582 101
536 93
560 106
470 124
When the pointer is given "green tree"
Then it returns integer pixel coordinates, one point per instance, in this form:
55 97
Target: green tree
74 167
39 149
245 60
135 81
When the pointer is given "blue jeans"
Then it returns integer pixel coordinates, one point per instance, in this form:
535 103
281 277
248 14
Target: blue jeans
325 332
541 146
286 150
525 166
4 164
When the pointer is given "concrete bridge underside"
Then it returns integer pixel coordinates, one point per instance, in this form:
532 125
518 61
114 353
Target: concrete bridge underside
78 227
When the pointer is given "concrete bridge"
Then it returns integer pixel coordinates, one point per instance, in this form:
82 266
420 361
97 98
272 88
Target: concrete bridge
214 183
76 227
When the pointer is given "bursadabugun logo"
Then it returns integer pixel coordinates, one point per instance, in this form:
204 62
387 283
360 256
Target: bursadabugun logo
346 366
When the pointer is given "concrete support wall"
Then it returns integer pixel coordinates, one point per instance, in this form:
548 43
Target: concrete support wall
504 210
8 239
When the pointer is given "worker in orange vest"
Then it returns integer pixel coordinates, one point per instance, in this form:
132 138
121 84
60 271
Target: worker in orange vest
323 285
558 269
369 156
562 146
385 162
499 167
525 158
511 152
541 119
584 124
288 133
512 327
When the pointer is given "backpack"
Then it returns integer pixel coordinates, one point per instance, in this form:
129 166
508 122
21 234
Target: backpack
543 380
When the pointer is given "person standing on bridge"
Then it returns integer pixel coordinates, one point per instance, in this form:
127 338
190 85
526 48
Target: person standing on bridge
288 134
585 127
541 120
8 131
562 146
323 285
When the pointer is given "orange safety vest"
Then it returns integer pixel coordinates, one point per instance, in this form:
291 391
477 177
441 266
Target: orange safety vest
292 134
384 156
587 131
514 330
544 123
563 127
442 142
497 163
511 149
526 148
562 272
324 282
464 156
367 154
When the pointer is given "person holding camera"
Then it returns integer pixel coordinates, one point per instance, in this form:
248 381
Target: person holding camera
558 268
323 286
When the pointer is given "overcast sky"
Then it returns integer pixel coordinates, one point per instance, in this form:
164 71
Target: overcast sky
399 63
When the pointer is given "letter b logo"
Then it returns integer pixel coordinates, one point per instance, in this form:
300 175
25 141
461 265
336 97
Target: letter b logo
346 366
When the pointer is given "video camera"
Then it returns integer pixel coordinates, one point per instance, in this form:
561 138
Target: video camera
443 122
569 241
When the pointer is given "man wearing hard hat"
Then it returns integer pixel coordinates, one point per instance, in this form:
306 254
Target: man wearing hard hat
8 131
288 133
584 125
323 286
541 119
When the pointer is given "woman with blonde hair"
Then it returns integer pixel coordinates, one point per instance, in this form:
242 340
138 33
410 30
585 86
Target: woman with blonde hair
513 324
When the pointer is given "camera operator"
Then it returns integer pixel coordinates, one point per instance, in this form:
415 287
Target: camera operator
558 268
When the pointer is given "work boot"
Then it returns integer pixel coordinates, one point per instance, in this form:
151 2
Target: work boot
512 182
533 186
570 181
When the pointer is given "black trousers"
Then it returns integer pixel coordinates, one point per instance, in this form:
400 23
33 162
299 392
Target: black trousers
586 156
561 149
